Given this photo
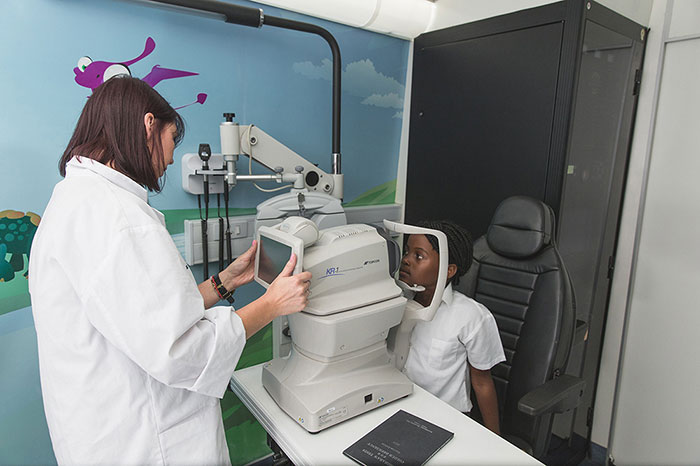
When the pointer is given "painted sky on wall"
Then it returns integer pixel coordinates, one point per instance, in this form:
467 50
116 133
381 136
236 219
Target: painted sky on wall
276 79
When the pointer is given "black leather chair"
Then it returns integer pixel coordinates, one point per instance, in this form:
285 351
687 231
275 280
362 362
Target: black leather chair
519 275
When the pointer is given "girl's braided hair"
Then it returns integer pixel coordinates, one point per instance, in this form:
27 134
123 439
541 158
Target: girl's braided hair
459 244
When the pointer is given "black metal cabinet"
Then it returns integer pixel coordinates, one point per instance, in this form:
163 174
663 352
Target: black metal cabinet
539 102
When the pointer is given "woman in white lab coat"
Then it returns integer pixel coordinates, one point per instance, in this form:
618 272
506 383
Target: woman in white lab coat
133 354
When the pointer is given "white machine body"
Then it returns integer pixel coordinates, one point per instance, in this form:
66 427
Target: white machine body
325 210
349 266
351 341
269 152
339 366
313 193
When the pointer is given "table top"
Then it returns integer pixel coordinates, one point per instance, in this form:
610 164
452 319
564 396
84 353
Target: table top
472 443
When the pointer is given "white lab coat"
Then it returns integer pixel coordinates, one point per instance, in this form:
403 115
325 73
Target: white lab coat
131 363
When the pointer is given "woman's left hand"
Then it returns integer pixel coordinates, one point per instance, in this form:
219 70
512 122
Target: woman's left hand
241 271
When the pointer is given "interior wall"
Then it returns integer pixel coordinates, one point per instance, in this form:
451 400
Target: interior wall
656 414
277 79
636 10
453 12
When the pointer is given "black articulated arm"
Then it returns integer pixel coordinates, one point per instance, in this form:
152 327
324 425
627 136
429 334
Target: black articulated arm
556 396
235 14
255 17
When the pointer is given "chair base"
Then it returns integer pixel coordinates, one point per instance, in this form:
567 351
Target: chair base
561 453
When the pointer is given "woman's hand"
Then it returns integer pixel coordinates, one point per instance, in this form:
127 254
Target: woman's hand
286 294
241 271
289 293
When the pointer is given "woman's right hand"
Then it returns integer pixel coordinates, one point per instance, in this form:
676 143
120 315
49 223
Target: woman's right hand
289 293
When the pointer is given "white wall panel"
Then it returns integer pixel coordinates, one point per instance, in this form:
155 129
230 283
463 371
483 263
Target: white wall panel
685 19
636 10
453 12
656 418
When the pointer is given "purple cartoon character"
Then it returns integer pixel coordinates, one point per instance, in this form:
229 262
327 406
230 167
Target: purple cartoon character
91 74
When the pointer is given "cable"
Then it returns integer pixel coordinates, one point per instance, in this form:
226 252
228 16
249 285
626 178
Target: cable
204 237
229 253
250 165
221 231
204 153
205 221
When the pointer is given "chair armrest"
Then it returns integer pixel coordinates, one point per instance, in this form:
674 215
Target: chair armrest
556 396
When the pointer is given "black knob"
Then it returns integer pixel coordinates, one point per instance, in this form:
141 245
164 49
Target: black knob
229 116
204 152
312 178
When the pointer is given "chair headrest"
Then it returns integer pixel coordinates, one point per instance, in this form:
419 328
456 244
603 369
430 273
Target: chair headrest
521 227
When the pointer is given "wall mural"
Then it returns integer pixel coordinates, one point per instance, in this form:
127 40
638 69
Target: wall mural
17 228
360 79
279 80
16 233
91 74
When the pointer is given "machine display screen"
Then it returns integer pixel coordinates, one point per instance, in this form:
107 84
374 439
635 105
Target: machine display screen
273 257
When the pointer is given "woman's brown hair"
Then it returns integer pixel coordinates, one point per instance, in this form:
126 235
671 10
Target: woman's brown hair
111 129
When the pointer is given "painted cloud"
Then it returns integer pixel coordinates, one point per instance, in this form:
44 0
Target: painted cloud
362 80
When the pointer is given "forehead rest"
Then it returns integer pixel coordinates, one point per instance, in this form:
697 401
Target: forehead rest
521 227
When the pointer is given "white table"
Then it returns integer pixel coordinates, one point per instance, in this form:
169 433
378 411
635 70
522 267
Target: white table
472 443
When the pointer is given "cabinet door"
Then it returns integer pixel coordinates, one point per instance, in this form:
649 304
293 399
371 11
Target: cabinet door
599 144
482 112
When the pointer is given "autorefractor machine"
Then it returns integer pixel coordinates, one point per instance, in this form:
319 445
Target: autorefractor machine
351 341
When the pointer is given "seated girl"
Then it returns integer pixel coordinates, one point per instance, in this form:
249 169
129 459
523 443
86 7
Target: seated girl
458 348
